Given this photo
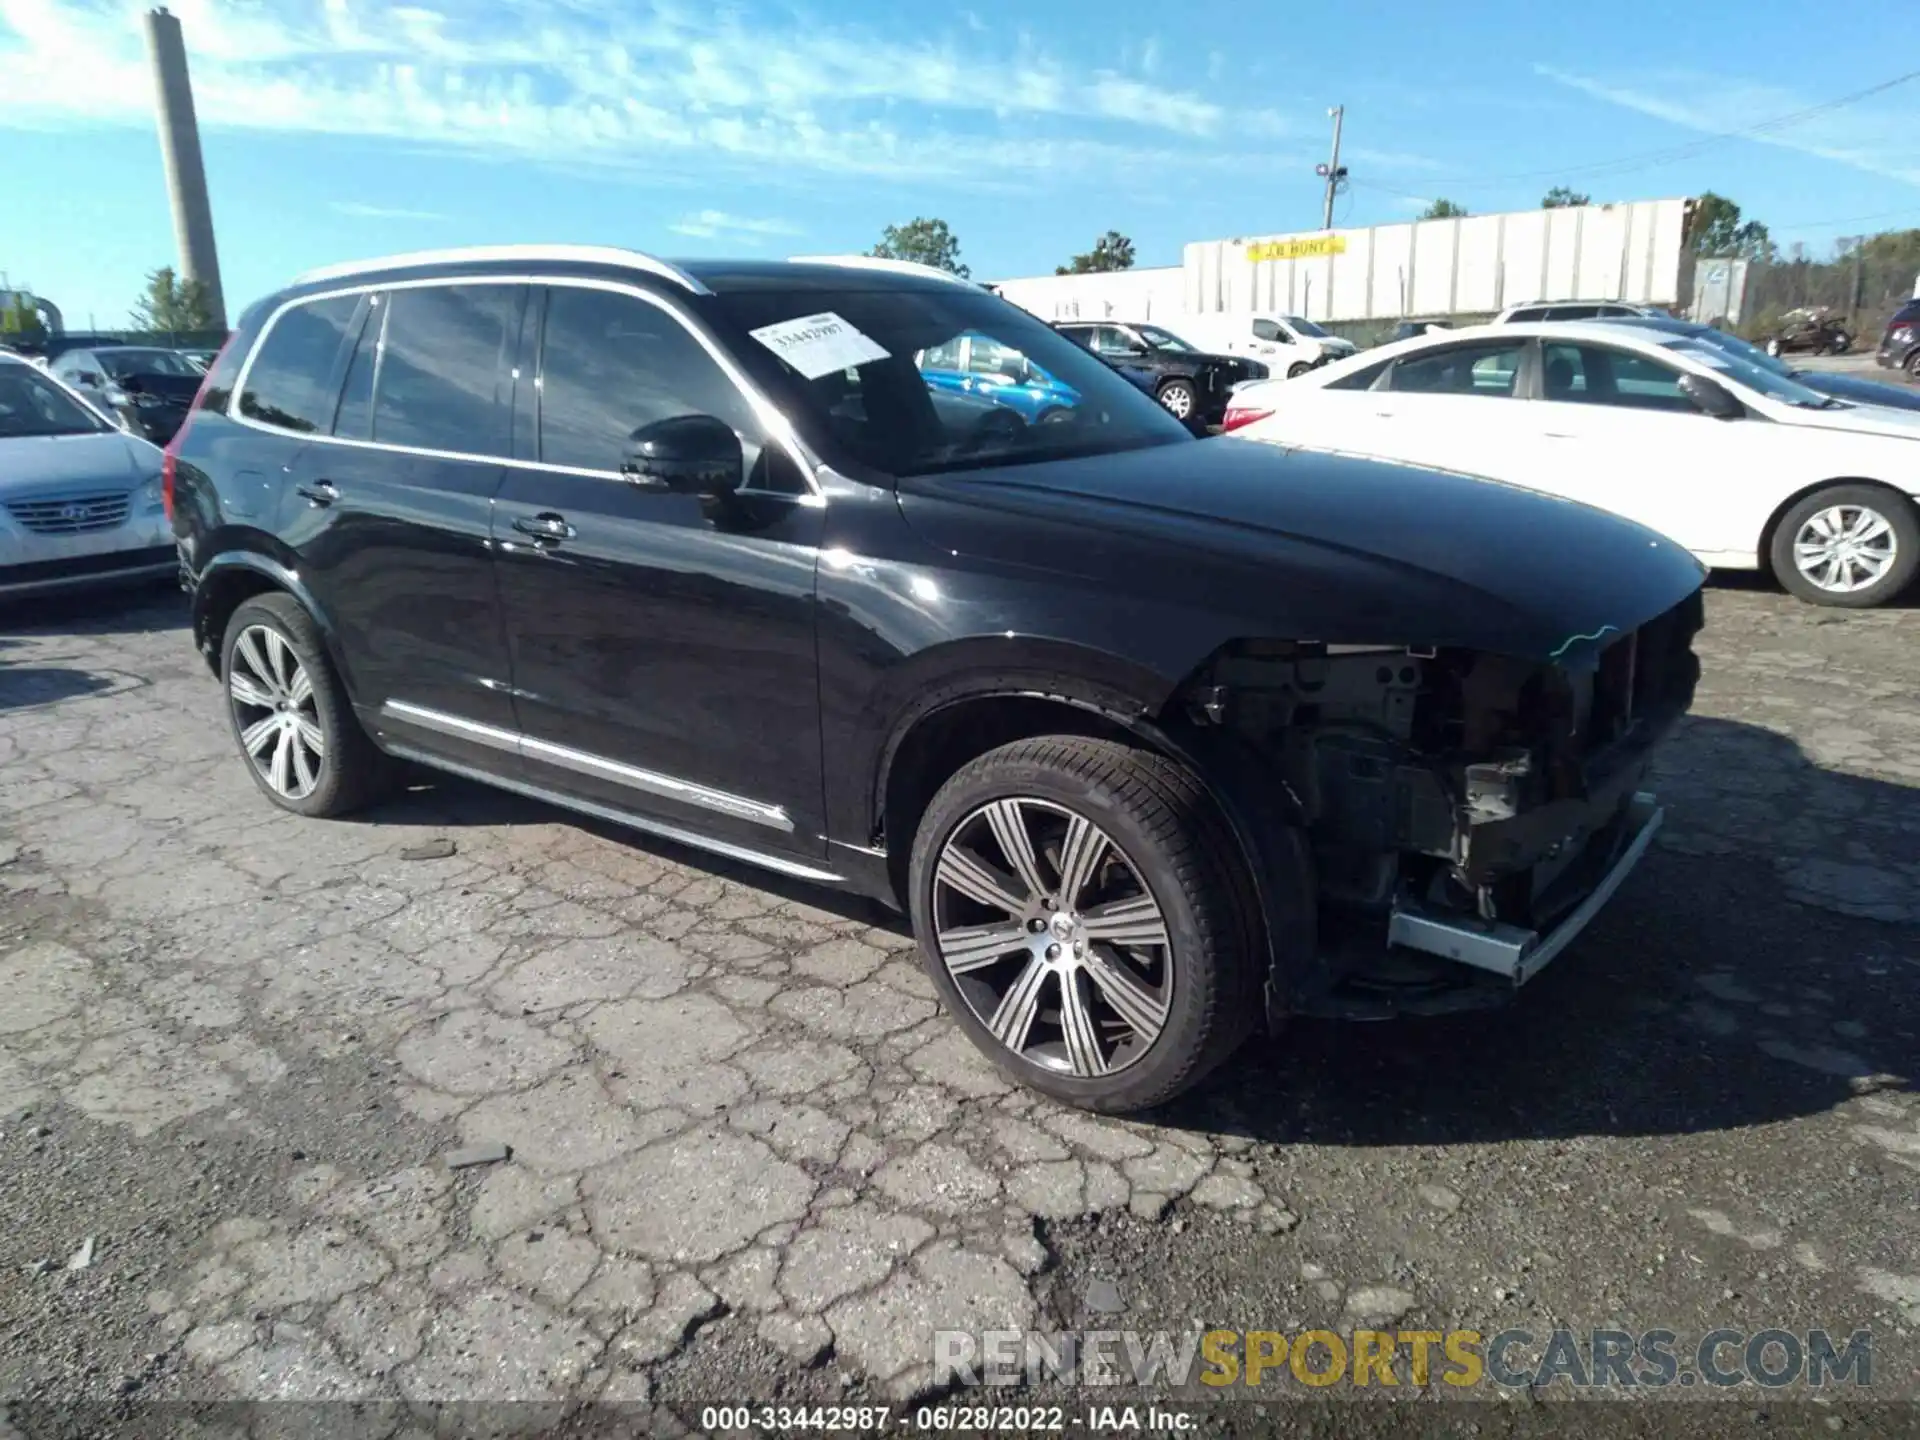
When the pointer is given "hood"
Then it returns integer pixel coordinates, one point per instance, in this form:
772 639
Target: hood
1863 418
1306 545
72 464
1860 390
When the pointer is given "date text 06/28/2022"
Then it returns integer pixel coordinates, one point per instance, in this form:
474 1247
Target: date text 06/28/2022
951 1417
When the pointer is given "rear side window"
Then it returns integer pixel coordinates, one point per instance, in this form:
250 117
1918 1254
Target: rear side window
1362 379
290 383
445 380
356 391
610 364
1531 312
1487 369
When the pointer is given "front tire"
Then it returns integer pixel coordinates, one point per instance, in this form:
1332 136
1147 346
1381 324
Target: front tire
1912 366
290 714
1178 397
1297 369
1852 546
1084 913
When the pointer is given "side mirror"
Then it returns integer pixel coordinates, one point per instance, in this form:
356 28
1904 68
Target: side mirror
687 455
1710 397
1134 347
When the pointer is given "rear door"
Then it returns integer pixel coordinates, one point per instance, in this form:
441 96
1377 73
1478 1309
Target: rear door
663 644
1454 407
391 514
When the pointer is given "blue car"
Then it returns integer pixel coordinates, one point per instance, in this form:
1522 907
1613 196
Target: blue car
979 366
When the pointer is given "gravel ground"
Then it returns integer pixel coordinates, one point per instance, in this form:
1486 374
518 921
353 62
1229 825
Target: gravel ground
749 1160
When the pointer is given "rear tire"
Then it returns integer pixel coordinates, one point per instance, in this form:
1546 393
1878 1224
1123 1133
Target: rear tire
291 716
1851 546
1912 366
1157 938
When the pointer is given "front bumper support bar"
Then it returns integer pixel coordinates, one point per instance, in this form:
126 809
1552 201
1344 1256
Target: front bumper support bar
1514 953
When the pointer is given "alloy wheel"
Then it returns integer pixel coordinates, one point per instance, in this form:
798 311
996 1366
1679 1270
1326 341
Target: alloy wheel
1178 399
1845 548
275 713
1052 937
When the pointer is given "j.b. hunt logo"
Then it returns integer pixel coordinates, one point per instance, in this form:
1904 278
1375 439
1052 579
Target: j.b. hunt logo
1517 1359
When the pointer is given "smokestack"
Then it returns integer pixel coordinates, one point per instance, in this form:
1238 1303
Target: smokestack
180 149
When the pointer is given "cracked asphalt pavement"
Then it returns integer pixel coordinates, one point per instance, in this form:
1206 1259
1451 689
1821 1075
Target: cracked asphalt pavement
750 1159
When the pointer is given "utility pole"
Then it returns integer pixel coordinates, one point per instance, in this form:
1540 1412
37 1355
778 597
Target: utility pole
1332 170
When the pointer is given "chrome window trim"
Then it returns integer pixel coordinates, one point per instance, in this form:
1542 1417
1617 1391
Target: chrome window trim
533 254
650 782
778 430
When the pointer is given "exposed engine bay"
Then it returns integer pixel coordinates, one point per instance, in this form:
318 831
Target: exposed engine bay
1462 783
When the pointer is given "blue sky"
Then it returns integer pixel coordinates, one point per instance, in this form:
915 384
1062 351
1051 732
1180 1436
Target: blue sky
336 129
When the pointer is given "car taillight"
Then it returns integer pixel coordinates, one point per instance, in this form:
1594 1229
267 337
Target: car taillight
169 456
1238 416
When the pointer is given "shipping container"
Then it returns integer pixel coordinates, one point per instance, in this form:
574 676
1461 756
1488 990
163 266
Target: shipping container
1471 265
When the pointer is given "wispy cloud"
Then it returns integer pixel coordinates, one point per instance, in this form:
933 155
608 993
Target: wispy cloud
654 87
360 210
1876 136
717 224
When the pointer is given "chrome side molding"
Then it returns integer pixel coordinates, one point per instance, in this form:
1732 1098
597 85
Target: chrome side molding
777 863
649 782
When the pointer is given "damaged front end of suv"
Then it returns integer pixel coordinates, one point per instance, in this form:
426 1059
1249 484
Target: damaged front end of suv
1466 813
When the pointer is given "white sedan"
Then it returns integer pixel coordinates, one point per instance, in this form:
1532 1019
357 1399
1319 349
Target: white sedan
1746 468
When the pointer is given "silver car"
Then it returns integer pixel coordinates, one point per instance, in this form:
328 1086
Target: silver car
80 499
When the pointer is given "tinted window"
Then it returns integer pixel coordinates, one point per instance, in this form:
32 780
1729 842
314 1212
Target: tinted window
1593 375
1267 330
290 383
1573 312
1530 312
356 393
1461 370
904 421
610 364
445 381
1361 379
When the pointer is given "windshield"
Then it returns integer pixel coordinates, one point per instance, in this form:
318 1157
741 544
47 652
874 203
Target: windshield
122 363
1746 350
916 381
1775 387
1165 339
31 405
1304 327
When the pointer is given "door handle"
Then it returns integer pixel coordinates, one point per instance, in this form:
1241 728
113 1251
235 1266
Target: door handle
321 492
545 526
1558 435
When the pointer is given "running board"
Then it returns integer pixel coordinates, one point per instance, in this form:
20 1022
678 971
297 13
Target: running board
776 863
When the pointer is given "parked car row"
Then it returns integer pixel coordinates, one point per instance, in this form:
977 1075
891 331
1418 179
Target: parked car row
854 571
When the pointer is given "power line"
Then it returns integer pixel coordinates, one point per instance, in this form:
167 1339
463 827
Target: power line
1627 163
1841 220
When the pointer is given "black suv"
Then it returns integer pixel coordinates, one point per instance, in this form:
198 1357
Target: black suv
1900 345
1153 736
1187 380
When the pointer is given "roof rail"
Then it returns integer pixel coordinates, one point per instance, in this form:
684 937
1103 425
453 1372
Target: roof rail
474 254
878 262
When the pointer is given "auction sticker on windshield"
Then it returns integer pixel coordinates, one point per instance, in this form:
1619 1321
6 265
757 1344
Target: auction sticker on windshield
817 345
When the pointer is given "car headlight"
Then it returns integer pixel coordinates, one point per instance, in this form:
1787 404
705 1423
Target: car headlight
148 496
114 395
